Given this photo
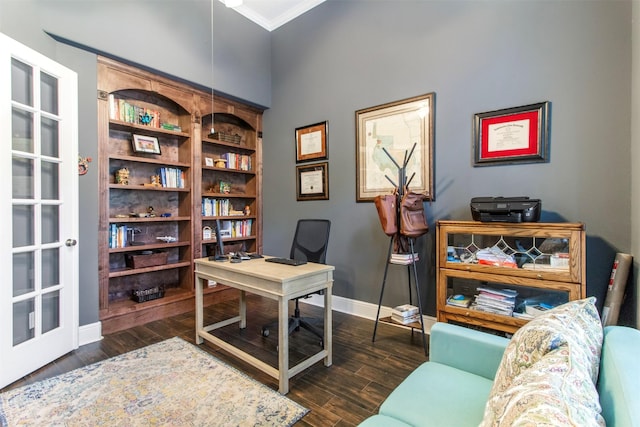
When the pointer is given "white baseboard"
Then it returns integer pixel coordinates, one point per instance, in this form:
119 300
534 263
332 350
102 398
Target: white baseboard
360 308
89 333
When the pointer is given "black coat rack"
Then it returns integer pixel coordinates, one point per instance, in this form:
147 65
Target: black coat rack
401 187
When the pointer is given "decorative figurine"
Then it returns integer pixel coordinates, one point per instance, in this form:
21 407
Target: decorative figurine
247 210
83 165
151 212
155 181
122 176
225 187
145 118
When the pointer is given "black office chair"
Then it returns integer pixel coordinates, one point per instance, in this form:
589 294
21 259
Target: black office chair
310 243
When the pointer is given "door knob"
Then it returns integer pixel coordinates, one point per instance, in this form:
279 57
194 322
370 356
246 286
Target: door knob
71 242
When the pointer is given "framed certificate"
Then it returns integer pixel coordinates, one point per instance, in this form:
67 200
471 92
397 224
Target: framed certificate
512 135
311 142
312 182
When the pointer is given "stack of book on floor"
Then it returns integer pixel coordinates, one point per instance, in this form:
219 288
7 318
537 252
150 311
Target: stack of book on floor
405 314
404 259
497 301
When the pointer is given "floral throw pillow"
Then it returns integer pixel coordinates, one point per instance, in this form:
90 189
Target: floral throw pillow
549 369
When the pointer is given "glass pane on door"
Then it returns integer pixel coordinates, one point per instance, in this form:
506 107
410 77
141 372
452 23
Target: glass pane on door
21 82
22 130
23 226
23 178
23 273
50 311
50 267
23 321
48 93
50 223
50 182
49 135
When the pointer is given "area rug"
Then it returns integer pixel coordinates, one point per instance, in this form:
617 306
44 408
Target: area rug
171 383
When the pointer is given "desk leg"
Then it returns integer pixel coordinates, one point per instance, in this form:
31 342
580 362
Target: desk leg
243 310
328 327
199 309
283 345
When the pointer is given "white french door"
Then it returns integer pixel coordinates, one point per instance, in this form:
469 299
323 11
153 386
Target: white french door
38 209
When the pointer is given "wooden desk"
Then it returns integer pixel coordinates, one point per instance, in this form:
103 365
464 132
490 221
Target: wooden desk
275 281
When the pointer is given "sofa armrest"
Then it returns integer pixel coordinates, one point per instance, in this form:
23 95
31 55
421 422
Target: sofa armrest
619 378
472 351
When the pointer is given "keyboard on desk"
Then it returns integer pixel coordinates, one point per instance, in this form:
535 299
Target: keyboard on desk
287 261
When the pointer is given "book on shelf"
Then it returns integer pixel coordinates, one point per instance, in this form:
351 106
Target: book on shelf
536 309
509 293
524 316
497 301
405 320
170 126
404 310
404 258
118 237
459 301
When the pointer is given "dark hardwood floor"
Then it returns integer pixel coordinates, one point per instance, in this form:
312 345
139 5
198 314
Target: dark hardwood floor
361 377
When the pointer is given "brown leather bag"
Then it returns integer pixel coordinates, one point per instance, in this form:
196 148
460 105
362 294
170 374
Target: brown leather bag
413 222
387 212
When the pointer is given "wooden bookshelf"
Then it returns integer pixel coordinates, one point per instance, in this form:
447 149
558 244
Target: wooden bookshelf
132 102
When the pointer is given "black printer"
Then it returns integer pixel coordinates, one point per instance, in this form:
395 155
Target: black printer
505 209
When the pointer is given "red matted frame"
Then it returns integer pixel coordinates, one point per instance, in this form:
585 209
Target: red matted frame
512 135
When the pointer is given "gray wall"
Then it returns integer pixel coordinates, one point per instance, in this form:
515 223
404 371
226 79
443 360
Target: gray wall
346 55
476 56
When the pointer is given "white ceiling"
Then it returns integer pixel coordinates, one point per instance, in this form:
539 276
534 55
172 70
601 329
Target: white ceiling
271 14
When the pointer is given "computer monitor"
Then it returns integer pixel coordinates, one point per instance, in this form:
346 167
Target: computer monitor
219 256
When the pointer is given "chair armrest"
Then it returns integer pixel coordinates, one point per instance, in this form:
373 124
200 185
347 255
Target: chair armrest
466 349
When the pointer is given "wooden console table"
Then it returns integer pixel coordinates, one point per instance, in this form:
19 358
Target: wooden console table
275 281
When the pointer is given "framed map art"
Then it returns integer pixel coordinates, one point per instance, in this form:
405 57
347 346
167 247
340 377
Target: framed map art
385 136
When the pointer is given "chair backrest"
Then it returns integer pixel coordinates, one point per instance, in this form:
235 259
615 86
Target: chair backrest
310 240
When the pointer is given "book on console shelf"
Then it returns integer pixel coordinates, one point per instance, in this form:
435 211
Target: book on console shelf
497 301
459 301
537 309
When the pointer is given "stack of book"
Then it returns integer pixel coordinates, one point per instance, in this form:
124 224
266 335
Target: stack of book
497 301
404 259
537 309
405 314
459 300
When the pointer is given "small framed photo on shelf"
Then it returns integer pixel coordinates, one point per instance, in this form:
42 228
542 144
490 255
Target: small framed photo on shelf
208 161
312 182
311 142
512 135
145 144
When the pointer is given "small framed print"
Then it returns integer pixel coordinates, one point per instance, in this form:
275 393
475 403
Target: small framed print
311 142
312 182
146 144
208 161
512 135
